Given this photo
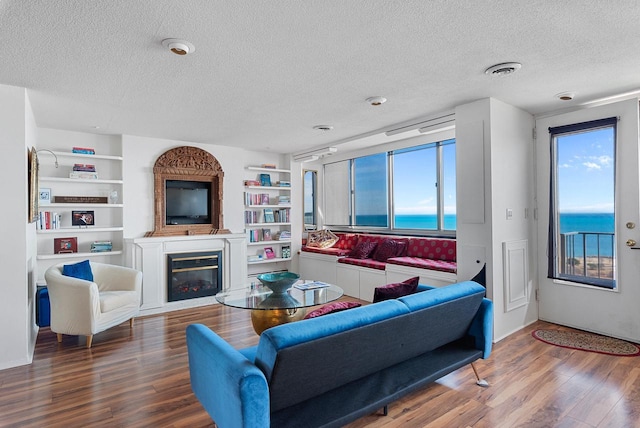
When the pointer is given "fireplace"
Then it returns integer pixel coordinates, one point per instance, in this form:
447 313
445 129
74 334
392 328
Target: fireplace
192 275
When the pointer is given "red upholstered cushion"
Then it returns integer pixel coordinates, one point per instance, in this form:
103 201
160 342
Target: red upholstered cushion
363 249
393 291
440 265
434 249
403 245
331 307
368 263
385 249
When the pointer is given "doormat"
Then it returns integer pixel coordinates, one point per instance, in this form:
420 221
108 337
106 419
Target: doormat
589 342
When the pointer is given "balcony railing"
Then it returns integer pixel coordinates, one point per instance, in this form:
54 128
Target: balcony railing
588 257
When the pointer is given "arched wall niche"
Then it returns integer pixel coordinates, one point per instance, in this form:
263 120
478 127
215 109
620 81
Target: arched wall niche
196 168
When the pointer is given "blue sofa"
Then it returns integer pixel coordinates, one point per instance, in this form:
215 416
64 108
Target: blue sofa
330 370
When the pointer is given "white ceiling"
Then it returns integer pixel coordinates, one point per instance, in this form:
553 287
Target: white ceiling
266 71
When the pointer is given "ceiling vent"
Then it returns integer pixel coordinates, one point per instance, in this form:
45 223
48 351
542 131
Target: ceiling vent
503 69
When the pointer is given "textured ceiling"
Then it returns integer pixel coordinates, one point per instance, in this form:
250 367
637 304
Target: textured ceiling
265 72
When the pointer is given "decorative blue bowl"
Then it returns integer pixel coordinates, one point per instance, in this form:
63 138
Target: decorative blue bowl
278 282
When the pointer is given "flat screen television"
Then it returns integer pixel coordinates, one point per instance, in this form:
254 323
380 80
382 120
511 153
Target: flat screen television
188 202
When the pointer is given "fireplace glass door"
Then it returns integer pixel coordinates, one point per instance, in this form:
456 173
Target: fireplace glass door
192 275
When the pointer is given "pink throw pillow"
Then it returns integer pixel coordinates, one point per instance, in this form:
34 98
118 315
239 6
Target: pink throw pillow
331 307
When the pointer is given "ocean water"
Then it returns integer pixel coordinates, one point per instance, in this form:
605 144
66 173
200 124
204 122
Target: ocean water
591 243
570 223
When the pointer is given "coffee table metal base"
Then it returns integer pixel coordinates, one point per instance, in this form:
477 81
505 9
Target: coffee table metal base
263 319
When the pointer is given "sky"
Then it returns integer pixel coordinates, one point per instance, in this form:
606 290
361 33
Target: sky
586 172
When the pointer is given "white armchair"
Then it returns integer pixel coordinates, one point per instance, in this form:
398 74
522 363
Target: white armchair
80 307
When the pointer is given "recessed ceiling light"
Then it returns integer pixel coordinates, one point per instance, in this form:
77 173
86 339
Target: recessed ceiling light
178 46
565 96
503 69
323 127
376 101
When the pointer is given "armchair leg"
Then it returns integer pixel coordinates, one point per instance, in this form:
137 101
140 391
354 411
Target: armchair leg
385 410
480 382
59 337
89 340
131 323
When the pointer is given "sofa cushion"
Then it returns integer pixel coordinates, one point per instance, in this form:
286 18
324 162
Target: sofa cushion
434 249
110 300
385 249
393 291
80 270
417 262
368 263
330 308
363 249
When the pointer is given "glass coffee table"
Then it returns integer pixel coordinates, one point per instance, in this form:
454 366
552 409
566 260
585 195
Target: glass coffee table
269 309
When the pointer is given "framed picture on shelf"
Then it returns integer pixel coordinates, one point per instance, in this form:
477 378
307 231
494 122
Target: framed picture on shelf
44 196
265 180
65 245
264 197
82 218
286 252
266 235
268 253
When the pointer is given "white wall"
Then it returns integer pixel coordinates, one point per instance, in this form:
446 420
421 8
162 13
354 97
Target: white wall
17 253
494 146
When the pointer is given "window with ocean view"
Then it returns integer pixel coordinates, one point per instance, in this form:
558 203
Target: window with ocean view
582 203
411 190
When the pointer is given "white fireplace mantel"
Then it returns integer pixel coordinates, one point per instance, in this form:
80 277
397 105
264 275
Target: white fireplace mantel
149 255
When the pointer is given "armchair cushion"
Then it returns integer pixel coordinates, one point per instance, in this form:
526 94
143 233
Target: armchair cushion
81 270
110 300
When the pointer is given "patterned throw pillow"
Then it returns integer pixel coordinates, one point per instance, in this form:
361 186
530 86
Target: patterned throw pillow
363 249
330 308
387 248
393 291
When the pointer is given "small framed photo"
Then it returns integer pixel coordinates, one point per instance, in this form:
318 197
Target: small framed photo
268 253
82 218
65 245
44 196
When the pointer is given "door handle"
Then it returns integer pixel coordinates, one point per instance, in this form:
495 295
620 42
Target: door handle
631 243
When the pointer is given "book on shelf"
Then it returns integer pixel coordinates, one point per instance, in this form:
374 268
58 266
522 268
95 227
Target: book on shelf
83 150
269 216
256 199
265 180
284 183
251 182
101 246
254 258
284 235
84 167
84 175
251 217
48 220
269 165
80 199
284 200
282 215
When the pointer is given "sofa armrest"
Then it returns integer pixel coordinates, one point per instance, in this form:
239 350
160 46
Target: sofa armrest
231 389
481 329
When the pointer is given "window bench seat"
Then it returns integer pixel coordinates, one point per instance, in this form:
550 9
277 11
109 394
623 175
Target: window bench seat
431 259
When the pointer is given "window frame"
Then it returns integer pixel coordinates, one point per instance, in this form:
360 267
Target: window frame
391 228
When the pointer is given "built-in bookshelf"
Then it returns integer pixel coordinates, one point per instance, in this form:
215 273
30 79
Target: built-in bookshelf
267 218
80 198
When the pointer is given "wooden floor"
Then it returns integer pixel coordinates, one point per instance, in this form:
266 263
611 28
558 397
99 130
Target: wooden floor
140 378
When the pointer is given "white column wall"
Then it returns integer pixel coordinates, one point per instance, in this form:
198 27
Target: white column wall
502 134
18 254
